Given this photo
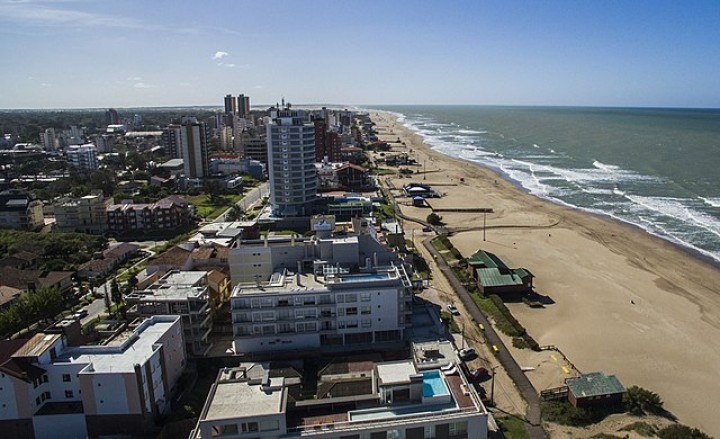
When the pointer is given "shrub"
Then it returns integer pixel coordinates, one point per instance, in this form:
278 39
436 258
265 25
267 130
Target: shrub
562 412
435 220
679 431
639 401
641 428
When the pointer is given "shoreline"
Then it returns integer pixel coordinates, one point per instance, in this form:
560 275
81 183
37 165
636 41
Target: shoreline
684 247
625 301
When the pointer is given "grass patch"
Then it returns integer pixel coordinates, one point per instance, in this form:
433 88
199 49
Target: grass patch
562 412
211 209
679 431
448 319
641 428
513 428
605 436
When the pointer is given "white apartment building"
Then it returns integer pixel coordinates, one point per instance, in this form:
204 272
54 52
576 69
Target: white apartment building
82 157
179 293
298 311
52 390
85 214
291 163
387 400
48 139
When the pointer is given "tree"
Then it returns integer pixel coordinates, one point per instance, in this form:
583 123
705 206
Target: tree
235 213
115 292
639 401
104 180
434 219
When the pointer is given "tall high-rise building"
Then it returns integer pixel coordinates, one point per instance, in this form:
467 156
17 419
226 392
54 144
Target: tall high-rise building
327 141
171 140
194 147
112 117
291 163
48 139
230 105
243 106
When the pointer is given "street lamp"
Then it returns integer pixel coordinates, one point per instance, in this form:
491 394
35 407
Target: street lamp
492 387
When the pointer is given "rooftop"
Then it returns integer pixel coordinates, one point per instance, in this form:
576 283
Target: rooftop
132 350
396 372
594 384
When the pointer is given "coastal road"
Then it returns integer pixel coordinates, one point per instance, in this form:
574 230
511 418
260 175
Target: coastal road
248 200
534 426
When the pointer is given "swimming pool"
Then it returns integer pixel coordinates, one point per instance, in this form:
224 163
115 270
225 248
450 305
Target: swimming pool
433 384
364 277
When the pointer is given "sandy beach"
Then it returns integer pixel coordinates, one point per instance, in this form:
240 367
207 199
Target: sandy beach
624 302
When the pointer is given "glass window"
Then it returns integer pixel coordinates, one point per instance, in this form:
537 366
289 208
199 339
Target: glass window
66 378
68 394
364 297
270 425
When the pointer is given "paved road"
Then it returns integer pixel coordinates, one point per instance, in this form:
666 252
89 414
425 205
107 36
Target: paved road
248 200
506 360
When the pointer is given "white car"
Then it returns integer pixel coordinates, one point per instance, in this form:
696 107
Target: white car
453 310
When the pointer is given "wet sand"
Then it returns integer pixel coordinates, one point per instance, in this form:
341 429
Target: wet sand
623 301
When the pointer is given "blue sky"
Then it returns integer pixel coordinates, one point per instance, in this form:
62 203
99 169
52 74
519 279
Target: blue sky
84 53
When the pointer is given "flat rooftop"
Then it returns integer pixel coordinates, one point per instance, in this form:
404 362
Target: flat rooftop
123 358
288 283
232 397
396 372
175 285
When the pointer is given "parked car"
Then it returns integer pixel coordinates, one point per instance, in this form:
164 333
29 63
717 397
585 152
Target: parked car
467 354
80 314
427 229
479 374
453 310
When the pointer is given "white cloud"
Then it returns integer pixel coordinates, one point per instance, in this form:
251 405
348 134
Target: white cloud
134 78
220 55
45 84
34 13
143 85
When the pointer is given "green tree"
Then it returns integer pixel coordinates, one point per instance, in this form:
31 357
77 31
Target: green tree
104 180
115 292
639 401
434 219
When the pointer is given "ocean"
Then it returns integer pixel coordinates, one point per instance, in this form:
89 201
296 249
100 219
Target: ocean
658 169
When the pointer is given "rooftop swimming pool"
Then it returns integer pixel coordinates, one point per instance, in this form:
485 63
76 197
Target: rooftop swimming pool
364 277
433 384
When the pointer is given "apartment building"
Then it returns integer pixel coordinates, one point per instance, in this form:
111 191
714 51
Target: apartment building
83 158
179 293
167 214
360 399
291 163
85 214
18 210
52 389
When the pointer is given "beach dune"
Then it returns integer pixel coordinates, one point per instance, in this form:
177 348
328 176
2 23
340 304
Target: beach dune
621 300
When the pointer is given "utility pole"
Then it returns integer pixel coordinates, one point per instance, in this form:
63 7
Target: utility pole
492 387
424 169
484 222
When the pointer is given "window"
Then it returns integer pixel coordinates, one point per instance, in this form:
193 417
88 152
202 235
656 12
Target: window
305 313
45 378
364 297
224 430
270 425
69 394
249 427
366 322
458 428
351 311
66 378
365 310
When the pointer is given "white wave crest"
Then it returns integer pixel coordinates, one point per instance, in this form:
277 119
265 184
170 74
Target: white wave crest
604 167
713 202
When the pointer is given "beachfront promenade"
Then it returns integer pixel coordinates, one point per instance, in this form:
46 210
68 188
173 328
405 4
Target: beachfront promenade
507 361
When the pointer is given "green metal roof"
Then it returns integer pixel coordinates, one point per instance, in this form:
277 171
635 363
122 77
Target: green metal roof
492 277
594 384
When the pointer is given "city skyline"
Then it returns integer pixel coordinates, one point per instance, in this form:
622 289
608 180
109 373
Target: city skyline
86 54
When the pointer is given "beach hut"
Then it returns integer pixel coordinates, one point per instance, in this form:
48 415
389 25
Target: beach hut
494 277
595 389
418 201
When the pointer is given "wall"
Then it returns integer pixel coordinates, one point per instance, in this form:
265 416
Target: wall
73 426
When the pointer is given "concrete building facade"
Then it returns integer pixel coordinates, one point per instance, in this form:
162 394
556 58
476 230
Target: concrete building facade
85 214
291 163
52 389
